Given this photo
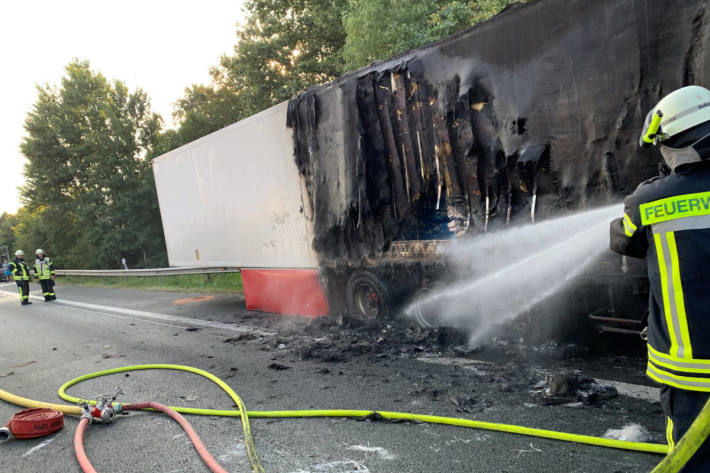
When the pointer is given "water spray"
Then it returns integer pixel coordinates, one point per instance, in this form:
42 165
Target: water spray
503 275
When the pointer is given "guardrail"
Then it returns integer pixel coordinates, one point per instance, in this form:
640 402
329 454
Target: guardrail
147 272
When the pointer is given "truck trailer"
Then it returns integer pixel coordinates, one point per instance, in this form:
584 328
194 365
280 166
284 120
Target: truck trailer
339 200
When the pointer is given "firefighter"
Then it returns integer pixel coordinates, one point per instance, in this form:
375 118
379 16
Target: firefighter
20 272
667 219
44 272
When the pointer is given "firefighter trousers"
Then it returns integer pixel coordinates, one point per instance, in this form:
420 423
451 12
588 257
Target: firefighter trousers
24 288
681 407
47 289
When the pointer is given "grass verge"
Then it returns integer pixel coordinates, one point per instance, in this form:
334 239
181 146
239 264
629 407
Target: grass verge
212 283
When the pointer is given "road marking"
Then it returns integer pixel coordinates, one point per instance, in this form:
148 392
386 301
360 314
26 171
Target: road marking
637 391
193 299
40 446
149 316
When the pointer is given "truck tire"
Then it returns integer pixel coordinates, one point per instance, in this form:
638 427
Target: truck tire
368 296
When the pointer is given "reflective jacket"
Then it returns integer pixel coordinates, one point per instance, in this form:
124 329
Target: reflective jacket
19 270
668 220
44 269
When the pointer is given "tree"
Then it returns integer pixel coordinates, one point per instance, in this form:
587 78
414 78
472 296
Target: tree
89 181
8 223
285 46
202 110
378 29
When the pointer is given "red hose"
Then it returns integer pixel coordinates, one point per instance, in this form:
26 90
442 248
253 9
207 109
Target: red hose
199 446
81 457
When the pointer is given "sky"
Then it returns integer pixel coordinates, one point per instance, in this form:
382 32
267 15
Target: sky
160 46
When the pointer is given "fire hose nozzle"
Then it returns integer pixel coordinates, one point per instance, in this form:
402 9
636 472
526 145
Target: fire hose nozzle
5 435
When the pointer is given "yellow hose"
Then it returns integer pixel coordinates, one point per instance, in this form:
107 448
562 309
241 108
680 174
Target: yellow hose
244 415
688 445
242 412
30 404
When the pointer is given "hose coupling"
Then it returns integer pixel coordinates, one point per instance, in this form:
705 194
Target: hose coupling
5 435
86 412
107 415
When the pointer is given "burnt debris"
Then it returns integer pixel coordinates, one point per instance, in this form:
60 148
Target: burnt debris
527 115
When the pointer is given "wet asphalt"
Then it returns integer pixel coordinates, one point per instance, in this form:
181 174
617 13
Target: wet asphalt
46 344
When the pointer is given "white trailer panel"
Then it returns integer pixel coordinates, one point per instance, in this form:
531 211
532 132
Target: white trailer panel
234 198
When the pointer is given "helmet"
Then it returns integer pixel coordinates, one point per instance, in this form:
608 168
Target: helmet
39 251
19 253
680 122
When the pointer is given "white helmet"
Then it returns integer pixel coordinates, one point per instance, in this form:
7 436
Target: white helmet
675 124
19 253
39 251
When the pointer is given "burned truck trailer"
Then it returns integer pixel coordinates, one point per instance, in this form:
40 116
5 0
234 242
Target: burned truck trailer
529 115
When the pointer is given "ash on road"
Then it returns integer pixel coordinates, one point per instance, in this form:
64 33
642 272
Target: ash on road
277 362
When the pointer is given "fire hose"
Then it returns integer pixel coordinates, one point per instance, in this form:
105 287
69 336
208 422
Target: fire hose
672 463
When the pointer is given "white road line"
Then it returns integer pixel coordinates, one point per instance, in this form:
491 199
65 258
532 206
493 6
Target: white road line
40 446
148 316
637 391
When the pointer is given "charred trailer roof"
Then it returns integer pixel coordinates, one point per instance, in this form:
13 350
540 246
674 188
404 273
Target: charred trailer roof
530 114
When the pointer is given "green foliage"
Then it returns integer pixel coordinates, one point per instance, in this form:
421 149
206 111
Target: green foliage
56 231
204 109
378 29
285 46
89 193
8 223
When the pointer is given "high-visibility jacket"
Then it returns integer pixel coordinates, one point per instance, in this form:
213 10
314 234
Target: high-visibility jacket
44 269
668 220
19 270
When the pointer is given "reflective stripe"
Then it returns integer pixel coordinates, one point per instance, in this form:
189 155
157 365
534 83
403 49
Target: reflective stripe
671 208
679 300
629 227
685 113
677 381
688 223
671 322
669 432
672 290
696 365
43 268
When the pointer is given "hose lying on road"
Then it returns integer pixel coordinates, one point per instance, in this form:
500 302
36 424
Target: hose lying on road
697 435
87 467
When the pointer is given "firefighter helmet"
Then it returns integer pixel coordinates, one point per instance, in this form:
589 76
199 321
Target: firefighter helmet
19 253
39 251
680 122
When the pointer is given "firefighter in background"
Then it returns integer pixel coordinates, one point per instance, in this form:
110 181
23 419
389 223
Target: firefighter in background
20 272
44 272
667 219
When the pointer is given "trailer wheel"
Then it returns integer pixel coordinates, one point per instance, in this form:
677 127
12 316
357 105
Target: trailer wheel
368 297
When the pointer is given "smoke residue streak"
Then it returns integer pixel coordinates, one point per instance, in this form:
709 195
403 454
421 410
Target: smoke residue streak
509 272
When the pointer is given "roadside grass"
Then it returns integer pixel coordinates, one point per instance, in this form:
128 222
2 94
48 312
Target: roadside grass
212 283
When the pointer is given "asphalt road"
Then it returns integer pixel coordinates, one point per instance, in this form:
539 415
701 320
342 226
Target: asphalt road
46 344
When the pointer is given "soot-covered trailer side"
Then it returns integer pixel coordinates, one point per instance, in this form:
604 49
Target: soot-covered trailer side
529 115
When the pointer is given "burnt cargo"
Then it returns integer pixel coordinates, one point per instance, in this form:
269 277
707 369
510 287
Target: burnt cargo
532 114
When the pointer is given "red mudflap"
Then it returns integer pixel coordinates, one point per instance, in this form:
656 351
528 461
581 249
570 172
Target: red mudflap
284 291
